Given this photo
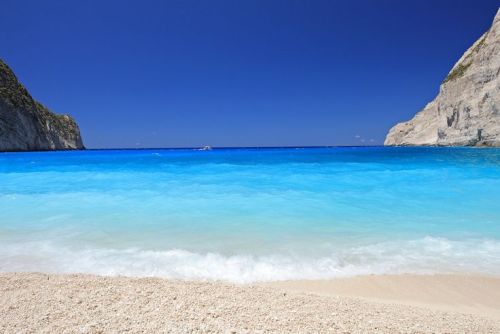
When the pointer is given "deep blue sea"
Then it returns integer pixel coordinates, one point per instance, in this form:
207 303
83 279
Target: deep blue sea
246 215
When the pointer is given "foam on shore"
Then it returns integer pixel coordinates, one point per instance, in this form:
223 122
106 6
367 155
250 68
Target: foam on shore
420 256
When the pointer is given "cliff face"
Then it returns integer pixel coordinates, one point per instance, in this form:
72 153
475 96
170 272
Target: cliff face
26 125
466 111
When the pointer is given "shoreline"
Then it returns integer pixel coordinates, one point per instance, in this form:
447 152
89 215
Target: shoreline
384 304
466 293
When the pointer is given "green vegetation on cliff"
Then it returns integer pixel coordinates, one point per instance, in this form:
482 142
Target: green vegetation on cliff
26 124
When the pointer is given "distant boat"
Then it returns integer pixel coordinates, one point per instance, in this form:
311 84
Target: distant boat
206 148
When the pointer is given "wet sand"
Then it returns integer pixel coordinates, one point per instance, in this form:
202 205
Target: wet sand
33 302
456 293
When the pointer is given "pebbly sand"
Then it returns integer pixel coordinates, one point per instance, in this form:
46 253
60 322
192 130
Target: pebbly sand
50 303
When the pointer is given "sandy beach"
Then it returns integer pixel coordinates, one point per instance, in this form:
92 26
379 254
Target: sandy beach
250 167
50 303
472 294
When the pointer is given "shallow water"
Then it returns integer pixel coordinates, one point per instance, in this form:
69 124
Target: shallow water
248 215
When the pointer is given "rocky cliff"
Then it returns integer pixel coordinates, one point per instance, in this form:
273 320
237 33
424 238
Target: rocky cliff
466 111
26 125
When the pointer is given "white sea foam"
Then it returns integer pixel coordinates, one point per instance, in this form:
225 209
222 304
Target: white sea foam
427 255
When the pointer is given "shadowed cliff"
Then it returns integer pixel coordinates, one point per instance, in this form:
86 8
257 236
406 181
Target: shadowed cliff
27 125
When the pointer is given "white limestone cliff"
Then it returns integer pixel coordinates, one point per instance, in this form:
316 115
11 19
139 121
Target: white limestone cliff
466 112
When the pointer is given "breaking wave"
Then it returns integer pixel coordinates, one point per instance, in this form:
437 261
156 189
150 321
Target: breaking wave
425 255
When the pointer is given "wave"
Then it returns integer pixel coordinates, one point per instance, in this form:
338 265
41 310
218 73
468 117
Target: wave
425 256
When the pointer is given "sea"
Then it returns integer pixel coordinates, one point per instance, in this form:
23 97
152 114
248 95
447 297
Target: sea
248 215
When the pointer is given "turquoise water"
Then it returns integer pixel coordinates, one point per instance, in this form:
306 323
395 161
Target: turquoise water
247 215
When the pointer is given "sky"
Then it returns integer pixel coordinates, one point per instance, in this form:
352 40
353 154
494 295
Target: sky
138 74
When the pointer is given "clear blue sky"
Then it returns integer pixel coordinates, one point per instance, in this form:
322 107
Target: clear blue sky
237 73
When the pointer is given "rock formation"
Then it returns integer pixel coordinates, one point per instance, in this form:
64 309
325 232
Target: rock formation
26 125
466 112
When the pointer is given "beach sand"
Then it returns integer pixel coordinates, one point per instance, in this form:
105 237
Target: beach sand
51 303
454 293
